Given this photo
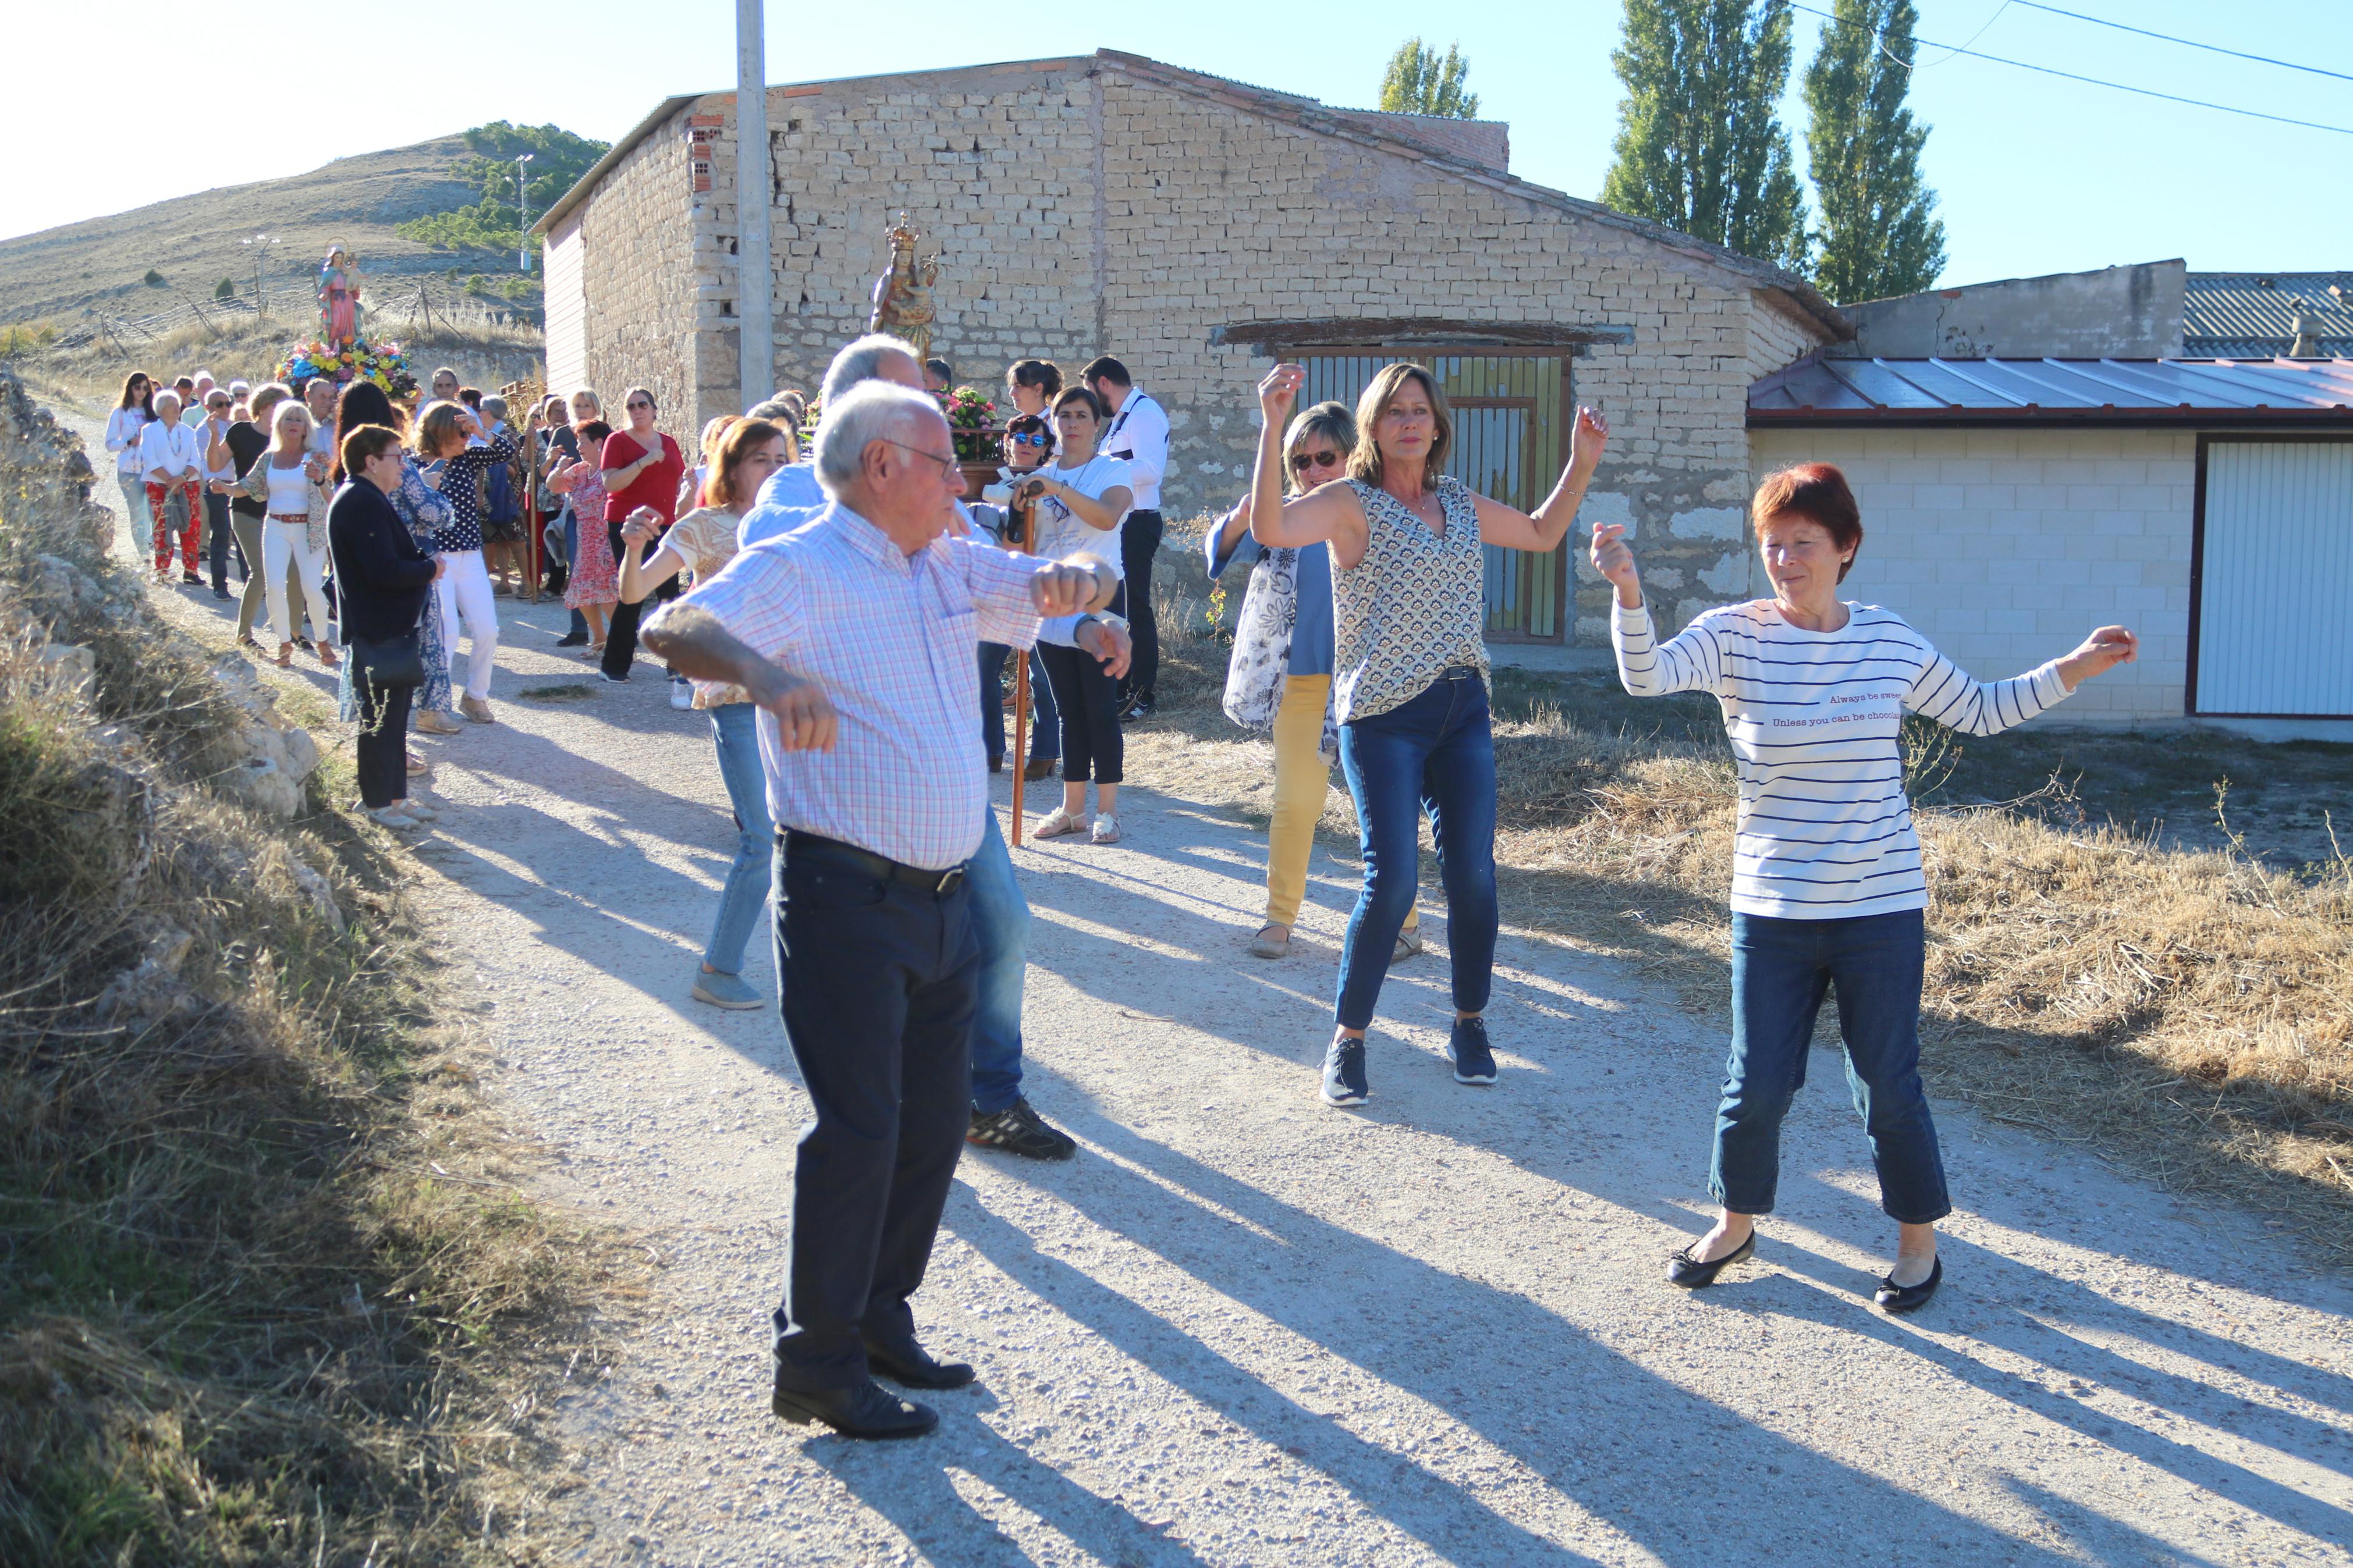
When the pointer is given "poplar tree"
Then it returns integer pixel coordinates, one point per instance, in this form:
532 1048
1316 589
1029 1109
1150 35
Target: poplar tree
1419 82
1700 146
1880 233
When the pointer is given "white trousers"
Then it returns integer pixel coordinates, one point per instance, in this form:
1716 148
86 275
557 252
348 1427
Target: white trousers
465 590
282 542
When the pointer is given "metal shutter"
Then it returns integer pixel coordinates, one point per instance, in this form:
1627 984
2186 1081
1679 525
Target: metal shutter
2274 587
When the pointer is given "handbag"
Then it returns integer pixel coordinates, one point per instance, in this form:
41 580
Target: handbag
389 664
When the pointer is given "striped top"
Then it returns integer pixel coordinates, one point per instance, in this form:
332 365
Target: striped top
1414 606
1816 721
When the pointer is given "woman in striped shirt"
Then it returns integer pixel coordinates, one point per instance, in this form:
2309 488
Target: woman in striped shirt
1826 884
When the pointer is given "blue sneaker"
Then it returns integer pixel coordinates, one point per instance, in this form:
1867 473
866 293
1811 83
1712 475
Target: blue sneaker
1343 1072
1467 1048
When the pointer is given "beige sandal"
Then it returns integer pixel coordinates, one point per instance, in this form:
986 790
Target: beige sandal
1263 946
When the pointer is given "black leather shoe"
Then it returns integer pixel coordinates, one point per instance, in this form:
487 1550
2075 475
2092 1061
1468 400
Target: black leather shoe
1894 1298
573 639
1691 1275
863 1410
910 1365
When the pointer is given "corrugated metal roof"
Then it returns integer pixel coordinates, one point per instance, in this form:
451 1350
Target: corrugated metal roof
2208 393
2253 314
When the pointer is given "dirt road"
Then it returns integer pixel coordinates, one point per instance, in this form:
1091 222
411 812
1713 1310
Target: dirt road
1241 1328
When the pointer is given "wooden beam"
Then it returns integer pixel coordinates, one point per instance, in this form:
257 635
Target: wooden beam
1416 332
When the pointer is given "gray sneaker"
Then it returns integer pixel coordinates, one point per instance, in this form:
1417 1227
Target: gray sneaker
726 991
1343 1072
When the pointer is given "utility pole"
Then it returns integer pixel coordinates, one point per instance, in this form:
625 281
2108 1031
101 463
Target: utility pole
522 216
755 322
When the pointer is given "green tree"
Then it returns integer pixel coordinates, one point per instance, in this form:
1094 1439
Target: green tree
1880 233
558 159
1419 82
1699 146
225 290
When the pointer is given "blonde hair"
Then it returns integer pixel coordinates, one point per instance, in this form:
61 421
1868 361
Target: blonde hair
1333 422
291 409
437 424
1365 463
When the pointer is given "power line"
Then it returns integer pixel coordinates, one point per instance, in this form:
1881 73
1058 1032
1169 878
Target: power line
1973 37
2089 80
2186 43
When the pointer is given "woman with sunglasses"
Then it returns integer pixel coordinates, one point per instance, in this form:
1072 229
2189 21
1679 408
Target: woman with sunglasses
641 466
131 416
1026 444
1279 680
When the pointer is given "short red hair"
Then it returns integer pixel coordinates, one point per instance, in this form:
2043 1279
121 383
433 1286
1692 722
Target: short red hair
1816 492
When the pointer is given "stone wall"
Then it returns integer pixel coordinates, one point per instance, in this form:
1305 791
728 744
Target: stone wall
2004 548
637 239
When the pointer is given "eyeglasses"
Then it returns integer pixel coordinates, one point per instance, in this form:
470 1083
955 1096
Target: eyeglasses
637 403
1029 440
947 465
1302 461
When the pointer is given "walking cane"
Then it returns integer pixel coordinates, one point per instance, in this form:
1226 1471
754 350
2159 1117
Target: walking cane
1021 707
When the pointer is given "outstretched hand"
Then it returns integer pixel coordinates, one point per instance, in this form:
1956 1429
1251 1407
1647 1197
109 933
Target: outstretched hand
1614 559
1588 440
806 721
1279 391
2100 652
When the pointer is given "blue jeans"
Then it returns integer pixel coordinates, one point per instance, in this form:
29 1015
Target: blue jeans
736 729
1435 753
571 556
1000 919
1045 725
1780 968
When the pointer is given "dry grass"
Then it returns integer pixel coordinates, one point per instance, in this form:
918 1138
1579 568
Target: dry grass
2190 1014
271 1292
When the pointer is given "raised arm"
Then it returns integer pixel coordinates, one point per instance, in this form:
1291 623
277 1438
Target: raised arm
640 578
1944 693
1220 544
1508 527
1326 513
1688 662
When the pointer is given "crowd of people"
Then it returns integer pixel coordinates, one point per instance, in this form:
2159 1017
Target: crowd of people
852 617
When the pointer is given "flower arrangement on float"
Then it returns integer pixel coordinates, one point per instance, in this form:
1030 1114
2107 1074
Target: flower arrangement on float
972 417
383 363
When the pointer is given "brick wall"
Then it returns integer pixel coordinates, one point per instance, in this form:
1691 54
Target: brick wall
2005 547
639 288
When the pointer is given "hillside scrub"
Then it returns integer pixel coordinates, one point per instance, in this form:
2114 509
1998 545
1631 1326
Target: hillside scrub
2189 1012
269 1293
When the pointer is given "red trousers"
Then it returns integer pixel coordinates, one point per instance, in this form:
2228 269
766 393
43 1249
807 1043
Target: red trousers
158 503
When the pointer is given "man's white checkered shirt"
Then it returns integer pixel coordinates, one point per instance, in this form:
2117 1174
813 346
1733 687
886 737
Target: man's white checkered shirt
892 640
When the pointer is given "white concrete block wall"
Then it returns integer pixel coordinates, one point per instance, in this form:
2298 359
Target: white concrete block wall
2004 548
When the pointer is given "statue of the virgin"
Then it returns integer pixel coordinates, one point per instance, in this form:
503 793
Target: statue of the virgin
339 296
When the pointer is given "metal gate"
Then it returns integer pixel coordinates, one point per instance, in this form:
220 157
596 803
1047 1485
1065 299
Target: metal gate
2270 633
1511 440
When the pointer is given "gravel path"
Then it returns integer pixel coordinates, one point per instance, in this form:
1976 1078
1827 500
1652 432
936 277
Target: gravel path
1244 1328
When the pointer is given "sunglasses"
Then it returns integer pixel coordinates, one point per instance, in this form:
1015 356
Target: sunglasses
641 402
1029 440
1302 461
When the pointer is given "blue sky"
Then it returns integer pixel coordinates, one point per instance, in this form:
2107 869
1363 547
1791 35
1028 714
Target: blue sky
2035 175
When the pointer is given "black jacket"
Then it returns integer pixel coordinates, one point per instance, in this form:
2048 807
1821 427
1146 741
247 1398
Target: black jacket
382 575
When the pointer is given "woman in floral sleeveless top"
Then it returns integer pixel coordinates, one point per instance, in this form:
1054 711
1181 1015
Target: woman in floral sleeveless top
1409 678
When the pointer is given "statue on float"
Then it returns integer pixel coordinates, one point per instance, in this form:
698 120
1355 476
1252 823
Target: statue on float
339 297
903 295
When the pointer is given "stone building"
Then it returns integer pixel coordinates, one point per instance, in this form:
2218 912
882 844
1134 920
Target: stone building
1198 228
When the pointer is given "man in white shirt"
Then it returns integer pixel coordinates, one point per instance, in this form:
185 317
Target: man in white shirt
172 463
199 394
1138 436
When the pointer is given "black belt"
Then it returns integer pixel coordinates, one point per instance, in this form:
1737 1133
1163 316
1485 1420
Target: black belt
881 867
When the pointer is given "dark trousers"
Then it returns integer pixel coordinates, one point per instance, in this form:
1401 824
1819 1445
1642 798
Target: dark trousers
384 739
1139 545
880 980
1780 969
1045 724
1435 754
221 539
621 626
1088 701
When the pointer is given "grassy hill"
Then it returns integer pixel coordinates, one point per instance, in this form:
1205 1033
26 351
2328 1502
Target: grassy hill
72 277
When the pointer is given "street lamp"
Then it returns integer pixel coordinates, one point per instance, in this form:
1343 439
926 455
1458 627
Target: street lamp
522 219
260 245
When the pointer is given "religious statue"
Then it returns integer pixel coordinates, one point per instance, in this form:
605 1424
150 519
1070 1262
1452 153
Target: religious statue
339 296
903 296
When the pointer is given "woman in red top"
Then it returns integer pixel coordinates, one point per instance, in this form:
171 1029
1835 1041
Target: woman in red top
641 467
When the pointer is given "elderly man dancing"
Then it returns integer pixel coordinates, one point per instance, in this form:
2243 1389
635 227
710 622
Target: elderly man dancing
858 635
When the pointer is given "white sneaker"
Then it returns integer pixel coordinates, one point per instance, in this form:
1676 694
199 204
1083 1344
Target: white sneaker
393 816
1058 823
681 691
1105 830
419 810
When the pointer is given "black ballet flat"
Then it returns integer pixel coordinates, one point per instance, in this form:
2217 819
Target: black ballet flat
1894 1298
1693 1275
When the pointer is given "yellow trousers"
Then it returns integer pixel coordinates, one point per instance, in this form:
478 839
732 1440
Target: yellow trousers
1299 779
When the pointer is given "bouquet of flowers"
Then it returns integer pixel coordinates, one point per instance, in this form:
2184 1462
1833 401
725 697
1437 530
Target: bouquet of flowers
973 419
383 363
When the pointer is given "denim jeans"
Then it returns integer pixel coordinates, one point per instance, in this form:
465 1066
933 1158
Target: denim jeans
734 728
571 554
1780 968
1000 919
1437 754
1045 726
